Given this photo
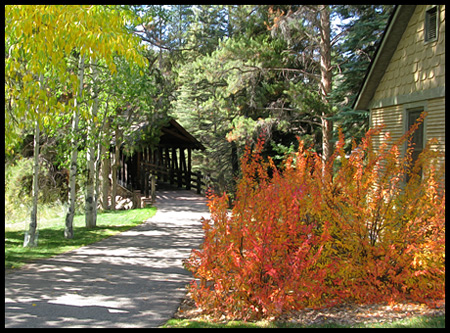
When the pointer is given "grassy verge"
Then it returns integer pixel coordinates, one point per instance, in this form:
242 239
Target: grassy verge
51 239
414 322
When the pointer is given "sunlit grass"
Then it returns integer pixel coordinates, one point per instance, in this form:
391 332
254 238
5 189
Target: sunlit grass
51 239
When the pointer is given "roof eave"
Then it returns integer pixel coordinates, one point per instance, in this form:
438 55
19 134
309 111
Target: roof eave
394 31
197 144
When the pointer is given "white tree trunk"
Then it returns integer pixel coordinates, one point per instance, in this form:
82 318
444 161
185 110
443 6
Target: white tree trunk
97 165
30 239
68 231
90 182
115 168
31 236
106 168
100 159
90 200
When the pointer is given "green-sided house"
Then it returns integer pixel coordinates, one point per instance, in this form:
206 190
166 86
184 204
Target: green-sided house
407 76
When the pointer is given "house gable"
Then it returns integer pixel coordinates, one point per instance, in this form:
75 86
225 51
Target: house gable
407 75
389 41
416 70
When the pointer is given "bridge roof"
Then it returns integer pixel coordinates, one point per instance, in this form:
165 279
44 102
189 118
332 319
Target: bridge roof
175 135
172 135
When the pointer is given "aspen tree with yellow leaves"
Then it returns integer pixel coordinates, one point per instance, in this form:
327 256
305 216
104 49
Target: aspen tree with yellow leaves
38 42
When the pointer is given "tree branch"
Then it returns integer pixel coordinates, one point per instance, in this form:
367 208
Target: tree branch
336 38
312 75
159 44
296 110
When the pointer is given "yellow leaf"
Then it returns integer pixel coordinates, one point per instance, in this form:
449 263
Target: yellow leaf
27 78
113 68
27 28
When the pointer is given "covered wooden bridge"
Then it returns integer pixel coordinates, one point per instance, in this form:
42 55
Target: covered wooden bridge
170 162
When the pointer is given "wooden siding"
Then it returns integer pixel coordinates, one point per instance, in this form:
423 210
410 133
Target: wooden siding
393 117
435 123
414 78
415 65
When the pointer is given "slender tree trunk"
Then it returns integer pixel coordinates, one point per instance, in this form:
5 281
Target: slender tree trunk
31 236
106 168
68 231
115 168
100 161
90 189
90 202
325 82
97 166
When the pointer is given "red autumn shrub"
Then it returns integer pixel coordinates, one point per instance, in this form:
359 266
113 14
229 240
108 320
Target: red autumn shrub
388 236
309 236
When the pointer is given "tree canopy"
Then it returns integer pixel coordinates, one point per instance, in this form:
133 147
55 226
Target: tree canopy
228 73
263 75
39 40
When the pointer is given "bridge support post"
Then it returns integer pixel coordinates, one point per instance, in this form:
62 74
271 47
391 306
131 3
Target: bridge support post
199 182
189 169
153 188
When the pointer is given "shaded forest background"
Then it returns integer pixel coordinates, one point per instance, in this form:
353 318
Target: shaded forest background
233 73
227 73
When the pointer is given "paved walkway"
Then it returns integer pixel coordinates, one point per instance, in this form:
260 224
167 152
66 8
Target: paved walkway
134 279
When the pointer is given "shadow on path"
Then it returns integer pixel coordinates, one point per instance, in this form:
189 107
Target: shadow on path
134 279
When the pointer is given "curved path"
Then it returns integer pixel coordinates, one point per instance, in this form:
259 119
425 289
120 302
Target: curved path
133 279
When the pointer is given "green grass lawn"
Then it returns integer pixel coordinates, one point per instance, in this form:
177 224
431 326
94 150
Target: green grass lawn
414 322
51 239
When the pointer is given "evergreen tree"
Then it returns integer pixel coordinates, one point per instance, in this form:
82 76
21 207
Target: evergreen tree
361 27
280 70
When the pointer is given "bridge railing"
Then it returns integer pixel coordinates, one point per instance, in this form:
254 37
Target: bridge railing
182 178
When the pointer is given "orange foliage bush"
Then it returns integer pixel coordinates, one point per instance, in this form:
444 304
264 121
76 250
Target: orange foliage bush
311 236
